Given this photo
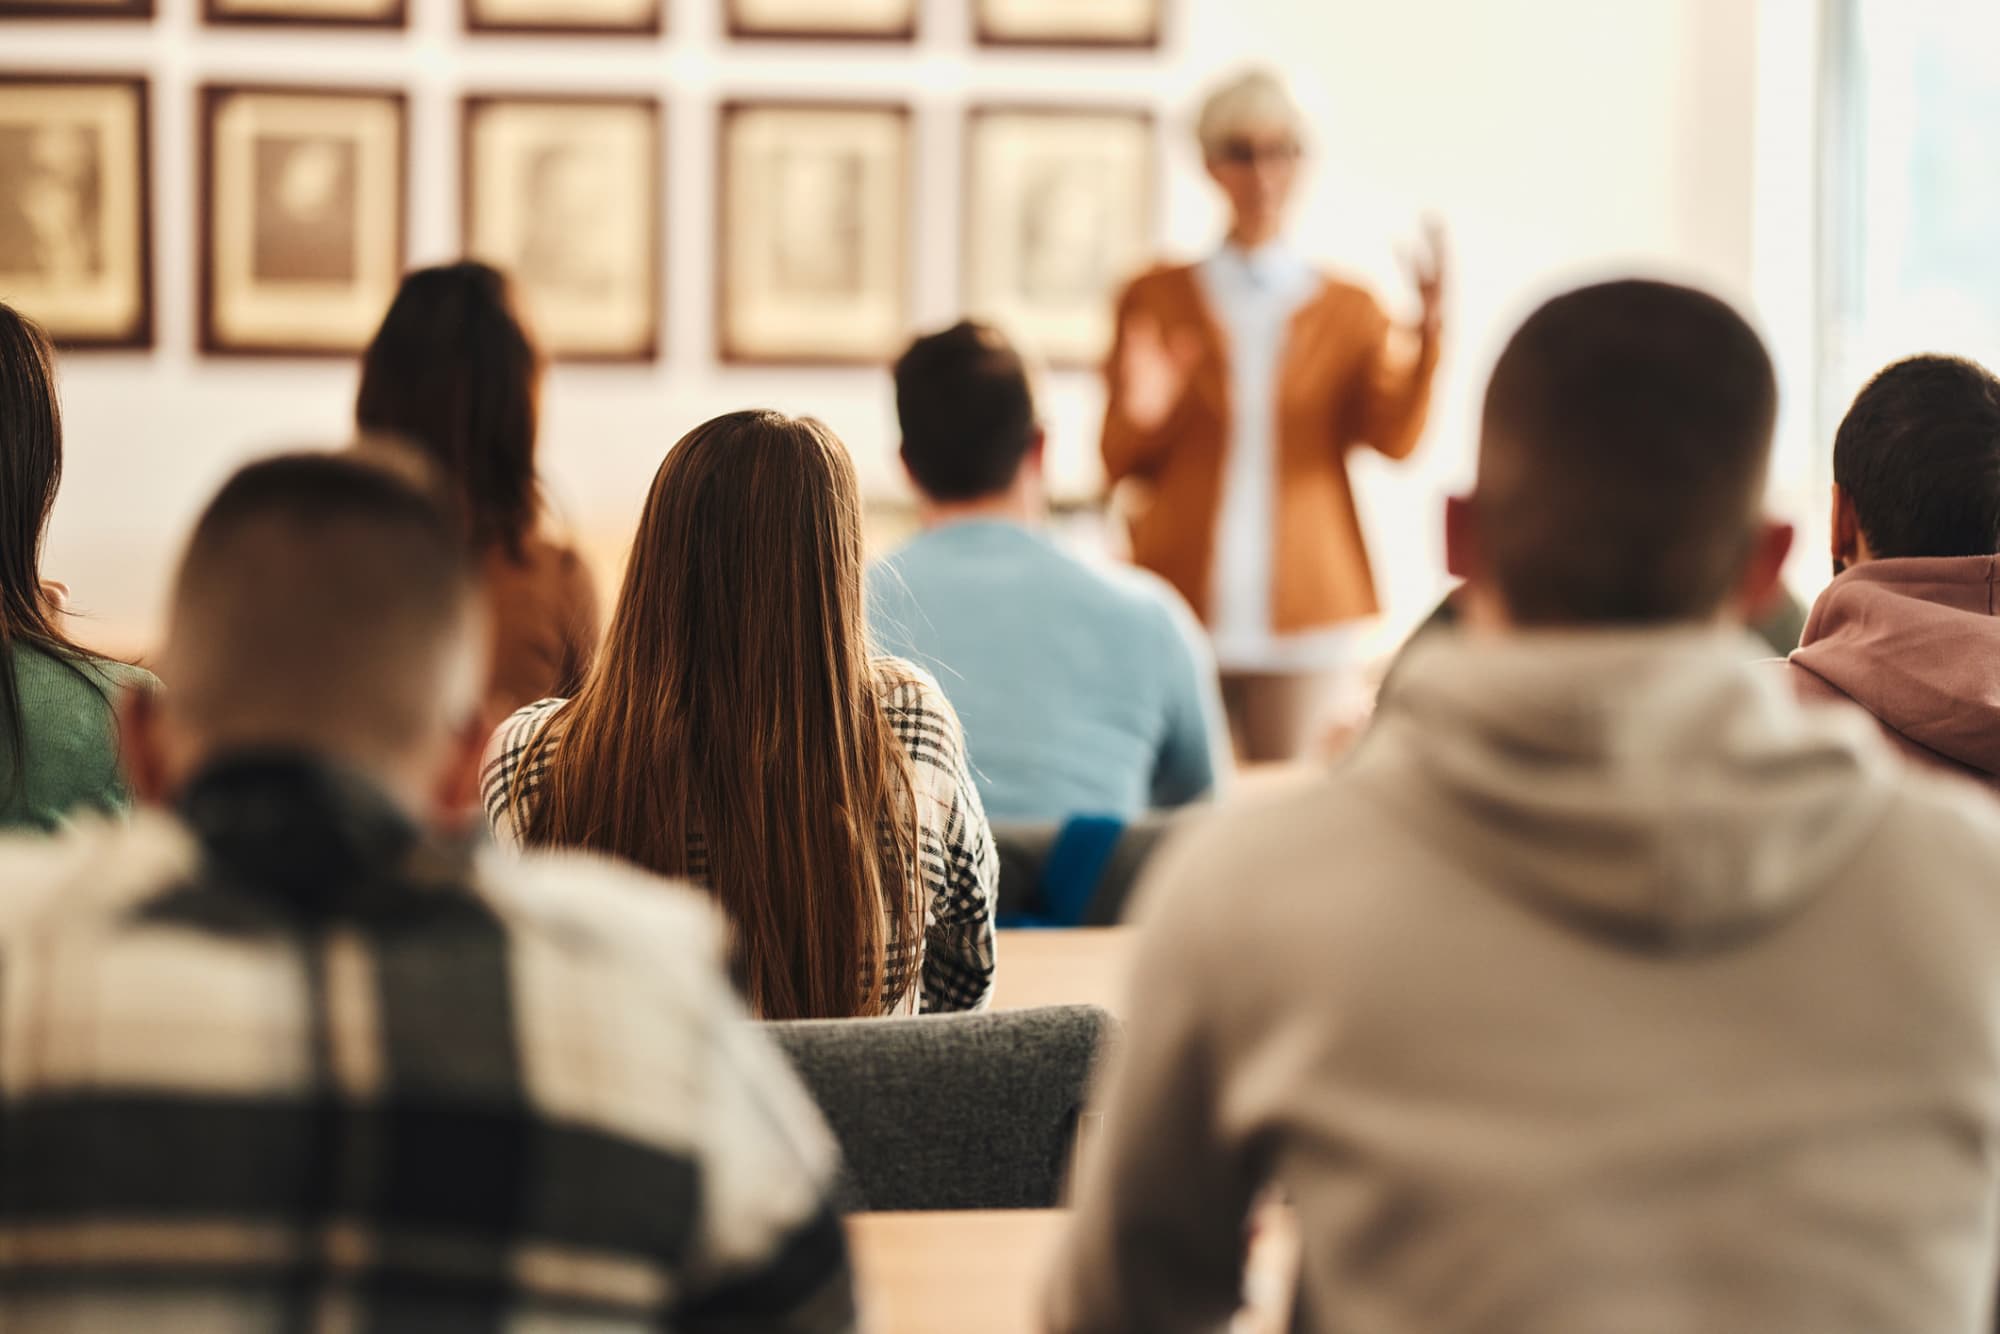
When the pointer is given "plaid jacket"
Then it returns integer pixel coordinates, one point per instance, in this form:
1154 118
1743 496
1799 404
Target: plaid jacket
285 1064
960 868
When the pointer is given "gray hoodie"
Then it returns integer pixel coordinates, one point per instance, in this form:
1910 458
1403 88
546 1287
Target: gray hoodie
1605 991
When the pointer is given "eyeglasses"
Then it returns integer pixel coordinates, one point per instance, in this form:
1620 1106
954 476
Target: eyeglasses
1251 153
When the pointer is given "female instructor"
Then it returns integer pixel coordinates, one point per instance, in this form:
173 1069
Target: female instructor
1237 386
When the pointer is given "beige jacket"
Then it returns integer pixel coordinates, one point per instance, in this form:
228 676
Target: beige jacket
1604 989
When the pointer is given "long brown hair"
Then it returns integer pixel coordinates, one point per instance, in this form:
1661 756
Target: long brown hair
735 702
454 371
31 464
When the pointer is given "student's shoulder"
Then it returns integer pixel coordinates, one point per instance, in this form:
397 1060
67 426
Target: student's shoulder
524 724
1139 599
1942 821
91 870
69 672
1279 841
919 712
902 685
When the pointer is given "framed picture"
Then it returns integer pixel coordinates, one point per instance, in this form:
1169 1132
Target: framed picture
819 20
814 232
564 193
75 208
76 9
601 17
302 218
338 13
1068 22
1060 209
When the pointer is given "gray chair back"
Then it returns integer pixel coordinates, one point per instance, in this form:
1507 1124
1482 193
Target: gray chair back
961 1111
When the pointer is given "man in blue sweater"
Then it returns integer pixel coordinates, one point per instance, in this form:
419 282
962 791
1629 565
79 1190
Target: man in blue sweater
1084 690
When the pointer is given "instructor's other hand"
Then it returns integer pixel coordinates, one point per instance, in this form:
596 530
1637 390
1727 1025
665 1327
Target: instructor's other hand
1153 373
1426 263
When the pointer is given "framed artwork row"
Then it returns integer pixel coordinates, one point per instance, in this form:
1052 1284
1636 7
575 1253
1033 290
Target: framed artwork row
303 218
1092 23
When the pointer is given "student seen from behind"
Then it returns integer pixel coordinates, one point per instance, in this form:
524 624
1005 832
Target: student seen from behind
455 372
58 733
1084 689
294 1050
737 730
1604 987
1910 627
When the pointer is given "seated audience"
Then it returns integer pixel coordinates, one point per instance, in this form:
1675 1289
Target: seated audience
455 372
58 729
1082 690
737 732
1605 988
290 1052
1908 628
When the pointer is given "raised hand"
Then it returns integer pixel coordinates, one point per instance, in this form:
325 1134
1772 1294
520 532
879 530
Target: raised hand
1426 263
1153 372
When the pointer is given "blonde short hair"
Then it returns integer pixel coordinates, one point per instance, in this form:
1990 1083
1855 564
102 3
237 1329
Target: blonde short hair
1256 98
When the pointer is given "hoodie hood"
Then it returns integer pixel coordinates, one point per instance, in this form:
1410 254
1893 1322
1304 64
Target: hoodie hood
1917 644
1649 786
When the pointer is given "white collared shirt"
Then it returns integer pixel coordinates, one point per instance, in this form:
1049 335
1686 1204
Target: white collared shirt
1254 295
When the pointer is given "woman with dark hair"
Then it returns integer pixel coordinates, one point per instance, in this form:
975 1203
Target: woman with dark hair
454 372
737 731
58 728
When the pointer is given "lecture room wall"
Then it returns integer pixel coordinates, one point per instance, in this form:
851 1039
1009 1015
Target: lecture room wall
1556 138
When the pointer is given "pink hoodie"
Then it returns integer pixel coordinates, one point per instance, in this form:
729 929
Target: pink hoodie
1917 644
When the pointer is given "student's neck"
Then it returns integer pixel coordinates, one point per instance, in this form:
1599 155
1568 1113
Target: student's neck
1014 505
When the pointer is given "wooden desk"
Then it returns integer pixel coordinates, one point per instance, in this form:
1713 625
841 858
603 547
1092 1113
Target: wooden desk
1063 966
986 1273
966 1273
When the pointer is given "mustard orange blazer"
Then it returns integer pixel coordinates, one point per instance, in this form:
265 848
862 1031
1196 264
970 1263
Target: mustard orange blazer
1340 385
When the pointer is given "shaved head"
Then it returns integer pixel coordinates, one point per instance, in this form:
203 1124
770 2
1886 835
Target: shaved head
327 604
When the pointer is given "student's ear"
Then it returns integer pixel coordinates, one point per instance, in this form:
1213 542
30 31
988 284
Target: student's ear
457 797
141 748
1034 456
1461 538
1764 572
1846 528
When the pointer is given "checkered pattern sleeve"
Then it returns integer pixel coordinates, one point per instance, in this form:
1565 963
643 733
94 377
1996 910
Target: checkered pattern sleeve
508 783
961 868
771 1253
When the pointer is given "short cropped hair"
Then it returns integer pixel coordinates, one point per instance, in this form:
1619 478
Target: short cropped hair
967 411
1918 455
1255 99
327 596
1623 452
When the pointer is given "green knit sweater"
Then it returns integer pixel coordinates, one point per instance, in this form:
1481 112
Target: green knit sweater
70 739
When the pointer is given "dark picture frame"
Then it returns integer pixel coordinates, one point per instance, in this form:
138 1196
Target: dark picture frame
850 292
1026 23
323 322
141 10
746 21
69 317
286 14
573 328
559 20
1044 253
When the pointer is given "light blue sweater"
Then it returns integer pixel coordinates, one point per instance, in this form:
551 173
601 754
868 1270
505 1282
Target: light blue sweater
1083 691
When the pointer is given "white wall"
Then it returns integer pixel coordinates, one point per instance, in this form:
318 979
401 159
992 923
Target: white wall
1557 138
